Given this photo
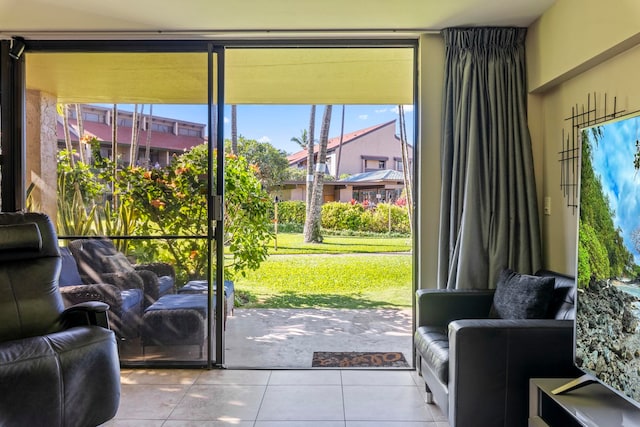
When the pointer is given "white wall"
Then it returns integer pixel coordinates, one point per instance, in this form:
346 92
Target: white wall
427 184
578 48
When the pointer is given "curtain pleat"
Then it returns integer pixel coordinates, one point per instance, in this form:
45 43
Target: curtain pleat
489 212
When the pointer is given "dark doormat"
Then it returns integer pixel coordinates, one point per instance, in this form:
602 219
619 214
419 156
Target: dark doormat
358 359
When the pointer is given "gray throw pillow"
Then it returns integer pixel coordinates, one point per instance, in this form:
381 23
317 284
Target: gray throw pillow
521 296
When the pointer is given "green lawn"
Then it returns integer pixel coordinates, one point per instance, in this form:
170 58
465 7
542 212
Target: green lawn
343 272
292 243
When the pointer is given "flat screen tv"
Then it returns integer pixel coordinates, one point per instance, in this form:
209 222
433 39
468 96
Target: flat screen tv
607 332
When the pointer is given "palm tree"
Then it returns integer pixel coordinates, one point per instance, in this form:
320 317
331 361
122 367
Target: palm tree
310 162
312 233
301 140
340 144
81 149
234 129
147 151
405 165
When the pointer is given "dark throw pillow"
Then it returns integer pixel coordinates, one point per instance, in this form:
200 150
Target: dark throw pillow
521 296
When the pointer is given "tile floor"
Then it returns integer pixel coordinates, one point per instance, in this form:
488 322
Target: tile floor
274 398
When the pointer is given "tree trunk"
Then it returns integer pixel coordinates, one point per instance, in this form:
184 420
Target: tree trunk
310 162
340 144
67 134
147 145
312 230
234 129
132 147
81 149
114 152
405 166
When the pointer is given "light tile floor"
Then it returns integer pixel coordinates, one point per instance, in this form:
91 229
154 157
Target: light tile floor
274 398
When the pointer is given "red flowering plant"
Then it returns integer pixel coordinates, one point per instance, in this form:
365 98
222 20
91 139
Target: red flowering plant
172 201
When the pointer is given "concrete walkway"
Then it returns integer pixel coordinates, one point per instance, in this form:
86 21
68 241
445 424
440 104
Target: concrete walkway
287 338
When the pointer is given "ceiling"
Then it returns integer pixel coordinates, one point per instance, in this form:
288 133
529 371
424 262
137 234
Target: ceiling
298 75
215 17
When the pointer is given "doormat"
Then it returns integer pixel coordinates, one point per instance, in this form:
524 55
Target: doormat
358 359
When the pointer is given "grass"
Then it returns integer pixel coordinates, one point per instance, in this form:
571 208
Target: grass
343 272
292 243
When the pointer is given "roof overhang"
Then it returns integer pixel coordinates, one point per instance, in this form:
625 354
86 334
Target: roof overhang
275 75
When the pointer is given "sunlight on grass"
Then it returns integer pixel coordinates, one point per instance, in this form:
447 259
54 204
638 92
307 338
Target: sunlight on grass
292 243
337 281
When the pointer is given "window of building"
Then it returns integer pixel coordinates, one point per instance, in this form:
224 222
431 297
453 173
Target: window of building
189 131
161 127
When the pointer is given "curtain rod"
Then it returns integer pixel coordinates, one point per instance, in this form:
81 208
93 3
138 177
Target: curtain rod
216 34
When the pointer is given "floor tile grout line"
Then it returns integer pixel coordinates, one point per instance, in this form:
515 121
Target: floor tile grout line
264 394
186 392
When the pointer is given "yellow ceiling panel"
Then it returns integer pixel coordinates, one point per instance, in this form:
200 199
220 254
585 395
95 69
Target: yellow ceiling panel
253 76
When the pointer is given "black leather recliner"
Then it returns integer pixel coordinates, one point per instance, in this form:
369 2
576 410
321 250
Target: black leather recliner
57 367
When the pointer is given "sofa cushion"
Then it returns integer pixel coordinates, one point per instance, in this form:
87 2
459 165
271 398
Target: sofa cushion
522 296
165 285
69 275
117 263
433 345
131 299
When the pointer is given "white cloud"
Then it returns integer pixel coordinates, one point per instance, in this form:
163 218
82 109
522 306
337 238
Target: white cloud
406 108
227 120
363 116
264 139
382 110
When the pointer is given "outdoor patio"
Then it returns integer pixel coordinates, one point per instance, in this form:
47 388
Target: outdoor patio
287 338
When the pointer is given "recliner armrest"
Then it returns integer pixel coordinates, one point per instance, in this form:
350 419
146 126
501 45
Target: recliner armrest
86 313
438 307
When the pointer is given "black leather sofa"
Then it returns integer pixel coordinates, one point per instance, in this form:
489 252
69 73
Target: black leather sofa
58 368
477 368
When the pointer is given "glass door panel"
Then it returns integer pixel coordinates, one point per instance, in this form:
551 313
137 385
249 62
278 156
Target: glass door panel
130 144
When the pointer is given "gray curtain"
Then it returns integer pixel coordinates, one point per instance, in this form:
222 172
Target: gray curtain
489 212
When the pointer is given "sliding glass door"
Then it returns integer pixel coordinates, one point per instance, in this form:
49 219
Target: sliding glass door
126 153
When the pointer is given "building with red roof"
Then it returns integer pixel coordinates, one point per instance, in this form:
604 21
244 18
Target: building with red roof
370 166
166 136
365 150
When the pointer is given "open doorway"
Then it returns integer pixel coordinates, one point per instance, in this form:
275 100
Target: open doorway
366 251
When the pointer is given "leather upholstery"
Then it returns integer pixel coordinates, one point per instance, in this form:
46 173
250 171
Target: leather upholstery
57 368
478 371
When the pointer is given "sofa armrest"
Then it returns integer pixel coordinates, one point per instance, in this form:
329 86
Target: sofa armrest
121 280
102 292
492 360
159 268
86 314
438 307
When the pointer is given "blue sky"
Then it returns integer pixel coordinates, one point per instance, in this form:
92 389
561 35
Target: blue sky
613 163
277 124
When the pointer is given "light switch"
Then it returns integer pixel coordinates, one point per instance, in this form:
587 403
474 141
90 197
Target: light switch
547 205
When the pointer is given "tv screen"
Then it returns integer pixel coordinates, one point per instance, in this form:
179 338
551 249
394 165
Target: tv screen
607 336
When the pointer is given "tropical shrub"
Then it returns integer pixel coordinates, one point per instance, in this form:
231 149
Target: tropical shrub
291 212
169 201
342 216
172 201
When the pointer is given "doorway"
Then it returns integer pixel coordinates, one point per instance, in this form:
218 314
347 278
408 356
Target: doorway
236 75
